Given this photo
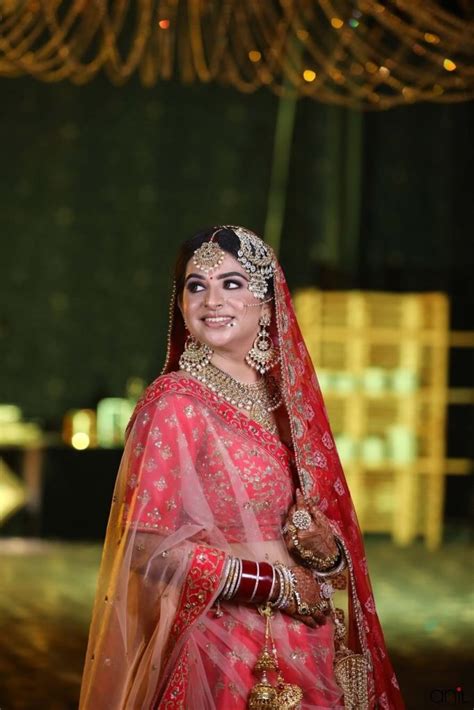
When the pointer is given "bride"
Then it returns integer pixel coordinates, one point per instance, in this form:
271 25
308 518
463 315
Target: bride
233 573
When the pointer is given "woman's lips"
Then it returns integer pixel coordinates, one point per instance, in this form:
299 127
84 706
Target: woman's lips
217 321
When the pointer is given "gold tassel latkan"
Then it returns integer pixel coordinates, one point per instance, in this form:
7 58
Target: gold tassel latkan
264 695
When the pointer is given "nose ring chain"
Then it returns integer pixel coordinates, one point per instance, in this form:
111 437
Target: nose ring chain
251 305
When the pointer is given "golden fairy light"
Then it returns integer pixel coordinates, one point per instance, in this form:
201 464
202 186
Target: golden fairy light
449 65
309 75
363 53
254 55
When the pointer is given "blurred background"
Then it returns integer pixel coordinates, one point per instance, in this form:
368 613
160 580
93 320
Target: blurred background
340 131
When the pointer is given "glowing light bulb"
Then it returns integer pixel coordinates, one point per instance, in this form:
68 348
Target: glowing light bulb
254 55
337 23
164 24
309 75
449 65
431 38
80 440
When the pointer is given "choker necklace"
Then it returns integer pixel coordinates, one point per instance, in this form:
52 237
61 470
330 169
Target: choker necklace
259 399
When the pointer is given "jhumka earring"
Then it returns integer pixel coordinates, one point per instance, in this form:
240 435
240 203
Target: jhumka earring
195 355
263 355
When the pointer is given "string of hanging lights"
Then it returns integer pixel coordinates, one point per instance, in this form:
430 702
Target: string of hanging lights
360 53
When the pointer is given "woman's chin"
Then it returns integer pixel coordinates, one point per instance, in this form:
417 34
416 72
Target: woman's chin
218 339
221 339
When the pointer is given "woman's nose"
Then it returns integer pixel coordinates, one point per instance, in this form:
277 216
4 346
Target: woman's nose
213 298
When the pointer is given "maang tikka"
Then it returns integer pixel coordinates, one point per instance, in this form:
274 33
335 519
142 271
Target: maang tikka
263 355
209 256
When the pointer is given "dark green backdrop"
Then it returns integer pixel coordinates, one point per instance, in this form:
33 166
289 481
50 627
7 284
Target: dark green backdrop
99 185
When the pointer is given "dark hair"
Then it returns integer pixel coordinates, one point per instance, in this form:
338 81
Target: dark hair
227 240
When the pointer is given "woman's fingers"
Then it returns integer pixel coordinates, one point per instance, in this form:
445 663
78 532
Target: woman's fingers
312 621
299 498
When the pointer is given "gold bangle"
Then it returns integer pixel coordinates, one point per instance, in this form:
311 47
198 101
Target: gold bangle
323 564
337 567
228 577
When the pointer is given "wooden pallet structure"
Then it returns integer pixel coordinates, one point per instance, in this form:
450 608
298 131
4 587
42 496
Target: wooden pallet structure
382 360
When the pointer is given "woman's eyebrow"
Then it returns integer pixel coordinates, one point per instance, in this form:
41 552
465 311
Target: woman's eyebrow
221 276
232 273
194 276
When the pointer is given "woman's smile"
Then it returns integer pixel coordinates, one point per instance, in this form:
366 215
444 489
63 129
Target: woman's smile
217 321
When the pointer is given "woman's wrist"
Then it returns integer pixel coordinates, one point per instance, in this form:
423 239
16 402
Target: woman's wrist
331 566
248 581
253 582
293 590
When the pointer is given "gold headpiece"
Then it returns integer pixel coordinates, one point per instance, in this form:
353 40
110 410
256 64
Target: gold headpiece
257 258
209 256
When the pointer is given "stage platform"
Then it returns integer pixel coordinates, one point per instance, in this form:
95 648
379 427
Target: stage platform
425 600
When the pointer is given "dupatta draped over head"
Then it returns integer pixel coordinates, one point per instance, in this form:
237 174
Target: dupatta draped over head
198 481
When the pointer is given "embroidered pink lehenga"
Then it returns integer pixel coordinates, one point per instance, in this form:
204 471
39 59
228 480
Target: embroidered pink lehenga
199 480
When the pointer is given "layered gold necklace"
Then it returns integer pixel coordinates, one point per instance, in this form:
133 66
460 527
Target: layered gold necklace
258 399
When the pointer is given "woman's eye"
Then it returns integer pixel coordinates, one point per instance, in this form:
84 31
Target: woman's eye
231 284
195 286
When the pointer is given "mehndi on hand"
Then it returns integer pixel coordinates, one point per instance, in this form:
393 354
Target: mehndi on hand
309 537
308 604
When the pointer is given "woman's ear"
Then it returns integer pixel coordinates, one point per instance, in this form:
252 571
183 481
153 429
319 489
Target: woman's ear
266 310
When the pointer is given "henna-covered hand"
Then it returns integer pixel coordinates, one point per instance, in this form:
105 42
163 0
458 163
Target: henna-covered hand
318 537
310 595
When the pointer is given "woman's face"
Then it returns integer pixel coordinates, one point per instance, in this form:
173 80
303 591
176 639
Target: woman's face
218 308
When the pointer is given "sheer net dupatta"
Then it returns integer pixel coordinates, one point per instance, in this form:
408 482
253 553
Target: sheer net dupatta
161 568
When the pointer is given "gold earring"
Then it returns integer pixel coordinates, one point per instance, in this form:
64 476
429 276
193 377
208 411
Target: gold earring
195 355
263 355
